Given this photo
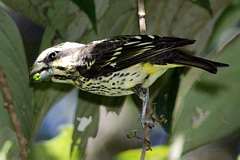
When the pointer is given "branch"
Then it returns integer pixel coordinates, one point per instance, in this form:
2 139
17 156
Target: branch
141 14
147 126
8 103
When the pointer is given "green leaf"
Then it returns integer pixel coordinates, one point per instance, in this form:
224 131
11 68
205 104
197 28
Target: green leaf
88 111
36 10
207 106
57 148
88 6
211 105
48 93
159 153
205 4
55 33
4 151
226 28
13 62
166 97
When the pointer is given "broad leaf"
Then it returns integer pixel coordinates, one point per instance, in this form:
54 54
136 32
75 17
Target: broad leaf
87 116
47 94
211 105
165 99
205 4
13 62
58 146
158 153
88 6
226 28
36 10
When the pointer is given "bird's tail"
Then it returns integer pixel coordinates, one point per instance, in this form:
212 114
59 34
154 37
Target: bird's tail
189 60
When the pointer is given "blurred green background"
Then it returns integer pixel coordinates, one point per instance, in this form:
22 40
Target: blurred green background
202 109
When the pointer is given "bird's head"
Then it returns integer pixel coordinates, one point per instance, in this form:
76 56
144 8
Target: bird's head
55 62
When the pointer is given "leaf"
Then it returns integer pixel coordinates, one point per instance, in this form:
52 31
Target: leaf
48 93
55 34
88 6
166 97
205 4
108 26
226 28
159 153
207 107
36 10
87 113
13 62
57 148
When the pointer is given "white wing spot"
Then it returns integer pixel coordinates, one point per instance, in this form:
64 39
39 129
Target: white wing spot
140 44
113 64
116 53
150 36
113 58
129 43
118 49
138 37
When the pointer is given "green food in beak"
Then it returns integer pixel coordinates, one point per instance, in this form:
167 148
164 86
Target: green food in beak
40 72
36 77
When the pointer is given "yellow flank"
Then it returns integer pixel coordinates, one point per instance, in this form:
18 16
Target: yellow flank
171 66
149 68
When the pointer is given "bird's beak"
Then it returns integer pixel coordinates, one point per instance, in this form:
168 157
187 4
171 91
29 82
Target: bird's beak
40 71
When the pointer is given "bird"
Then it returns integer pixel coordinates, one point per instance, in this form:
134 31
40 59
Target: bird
117 66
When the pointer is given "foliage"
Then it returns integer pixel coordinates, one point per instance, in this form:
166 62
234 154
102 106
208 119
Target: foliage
88 6
157 153
211 105
58 147
202 107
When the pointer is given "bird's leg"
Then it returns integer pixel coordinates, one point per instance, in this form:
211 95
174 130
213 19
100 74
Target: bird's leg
143 93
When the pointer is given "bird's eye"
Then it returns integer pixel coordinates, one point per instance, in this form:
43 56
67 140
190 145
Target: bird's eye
52 56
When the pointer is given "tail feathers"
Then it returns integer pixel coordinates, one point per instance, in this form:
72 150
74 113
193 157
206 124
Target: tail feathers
189 60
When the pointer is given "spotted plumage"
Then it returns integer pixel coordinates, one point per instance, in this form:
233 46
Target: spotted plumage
117 66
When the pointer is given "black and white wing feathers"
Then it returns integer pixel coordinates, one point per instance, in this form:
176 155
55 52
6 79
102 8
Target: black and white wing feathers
114 54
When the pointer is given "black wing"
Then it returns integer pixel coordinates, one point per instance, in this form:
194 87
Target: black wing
114 54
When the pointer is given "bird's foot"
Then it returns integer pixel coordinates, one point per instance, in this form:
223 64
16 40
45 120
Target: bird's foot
148 122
